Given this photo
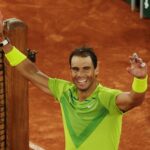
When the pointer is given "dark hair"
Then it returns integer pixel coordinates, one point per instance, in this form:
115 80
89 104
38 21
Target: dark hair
84 52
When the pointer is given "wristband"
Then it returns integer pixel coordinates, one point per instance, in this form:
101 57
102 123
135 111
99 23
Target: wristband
139 85
15 57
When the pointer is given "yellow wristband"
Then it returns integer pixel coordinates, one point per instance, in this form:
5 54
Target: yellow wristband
15 57
140 85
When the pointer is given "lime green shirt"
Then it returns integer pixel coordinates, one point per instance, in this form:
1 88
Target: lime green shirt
92 124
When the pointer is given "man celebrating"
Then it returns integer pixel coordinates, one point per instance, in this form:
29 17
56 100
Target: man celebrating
92 114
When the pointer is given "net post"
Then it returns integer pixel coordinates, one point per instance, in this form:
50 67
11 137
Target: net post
17 111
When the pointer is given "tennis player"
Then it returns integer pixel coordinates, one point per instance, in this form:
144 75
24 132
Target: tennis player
92 113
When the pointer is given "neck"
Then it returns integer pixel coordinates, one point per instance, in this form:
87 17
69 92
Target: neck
83 94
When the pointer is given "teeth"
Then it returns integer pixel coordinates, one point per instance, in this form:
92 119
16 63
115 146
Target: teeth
81 81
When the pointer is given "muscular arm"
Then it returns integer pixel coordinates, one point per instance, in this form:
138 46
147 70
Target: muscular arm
128 100
30 71
26 67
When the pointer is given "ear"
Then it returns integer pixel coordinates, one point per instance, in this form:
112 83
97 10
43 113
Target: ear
97 69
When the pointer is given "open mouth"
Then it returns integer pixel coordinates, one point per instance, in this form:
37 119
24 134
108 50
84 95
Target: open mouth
81 81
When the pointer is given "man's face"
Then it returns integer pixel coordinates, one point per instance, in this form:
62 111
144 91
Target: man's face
83 72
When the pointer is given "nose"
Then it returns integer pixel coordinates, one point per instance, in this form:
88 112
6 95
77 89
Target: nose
80 73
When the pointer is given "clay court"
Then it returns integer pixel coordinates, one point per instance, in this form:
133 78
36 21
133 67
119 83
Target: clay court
57 27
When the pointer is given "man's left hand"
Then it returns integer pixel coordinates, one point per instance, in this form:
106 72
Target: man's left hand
138 67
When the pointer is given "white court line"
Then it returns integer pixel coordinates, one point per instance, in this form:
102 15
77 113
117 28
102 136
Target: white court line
34 146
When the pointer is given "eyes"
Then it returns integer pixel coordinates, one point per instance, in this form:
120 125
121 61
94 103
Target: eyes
84 69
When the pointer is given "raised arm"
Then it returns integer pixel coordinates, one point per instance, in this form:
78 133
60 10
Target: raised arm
133 98
18 60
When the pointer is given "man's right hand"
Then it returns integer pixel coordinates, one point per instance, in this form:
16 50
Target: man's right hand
27 68
7 47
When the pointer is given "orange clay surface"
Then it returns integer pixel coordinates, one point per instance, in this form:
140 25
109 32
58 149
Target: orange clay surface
57 27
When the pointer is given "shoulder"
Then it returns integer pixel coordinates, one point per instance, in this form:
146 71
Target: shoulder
108 98
58 87
107 90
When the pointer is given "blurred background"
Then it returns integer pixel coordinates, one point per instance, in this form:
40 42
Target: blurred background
114 28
